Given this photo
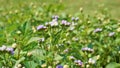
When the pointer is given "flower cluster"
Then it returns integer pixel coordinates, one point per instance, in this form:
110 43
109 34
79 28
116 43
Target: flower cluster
55 17
71 57
87 49
53 23
7 49
59 66
98 30
41 40
41 27
75 18
79 62
66 50
111 34
64 22
91 61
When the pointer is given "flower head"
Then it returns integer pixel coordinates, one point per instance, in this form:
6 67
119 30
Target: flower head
12 52
10 49
55 17
3 48
71 57
64 22
43 65
41 27
87 49
59 66
77 18
53 23
73 18
98 30
66 66
7 49
14 45
66 50
91 61
79 62
111 34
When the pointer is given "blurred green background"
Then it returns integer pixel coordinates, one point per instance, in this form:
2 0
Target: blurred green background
71 6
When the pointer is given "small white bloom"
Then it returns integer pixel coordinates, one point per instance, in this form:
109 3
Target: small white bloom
19 65
53 23
98 56
87 66
14 45
18 32
91 61
41 39
3 48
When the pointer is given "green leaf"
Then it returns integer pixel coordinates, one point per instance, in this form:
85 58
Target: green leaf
113 65
90 45
33 39
30 64
58 57
40 54
117 40
25 27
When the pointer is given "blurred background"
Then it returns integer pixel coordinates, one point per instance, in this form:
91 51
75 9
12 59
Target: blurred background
71 6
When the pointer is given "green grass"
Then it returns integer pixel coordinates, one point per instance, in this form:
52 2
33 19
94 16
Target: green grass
72 6
51 33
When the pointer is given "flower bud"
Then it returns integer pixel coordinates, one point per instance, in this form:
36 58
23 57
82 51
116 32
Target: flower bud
98 57
29 53
91 61
19 65
44 65
49 66
66 66
14 45
87 66
59 66
81 9
118 30
71 57
18 32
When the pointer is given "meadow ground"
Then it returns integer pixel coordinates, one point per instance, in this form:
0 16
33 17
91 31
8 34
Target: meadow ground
72 6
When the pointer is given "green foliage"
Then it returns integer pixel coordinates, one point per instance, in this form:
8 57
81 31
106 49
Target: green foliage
113 65
43 36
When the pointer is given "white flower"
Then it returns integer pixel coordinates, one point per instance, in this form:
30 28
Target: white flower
111 34
91 61
53 23
98 30
3 48
14 45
